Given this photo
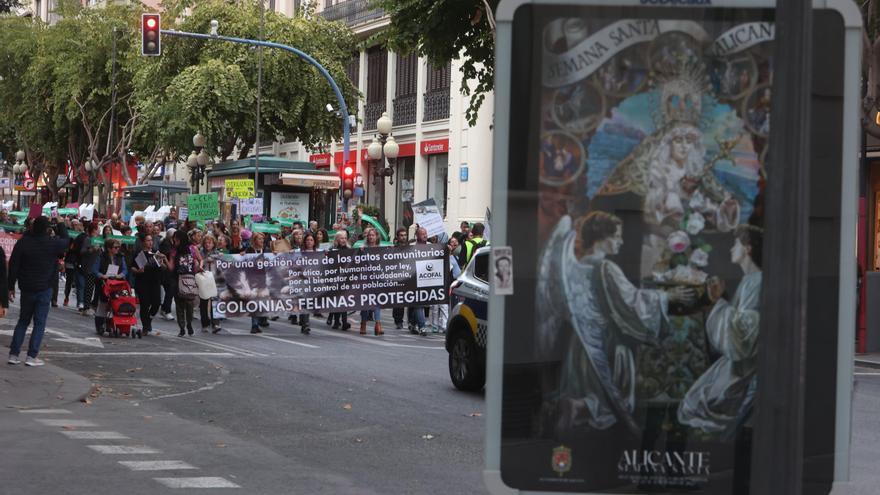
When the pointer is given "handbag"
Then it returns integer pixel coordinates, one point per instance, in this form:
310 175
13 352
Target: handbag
206 284
186 286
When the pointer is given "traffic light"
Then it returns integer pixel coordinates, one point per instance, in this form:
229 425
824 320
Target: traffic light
347 181
151 39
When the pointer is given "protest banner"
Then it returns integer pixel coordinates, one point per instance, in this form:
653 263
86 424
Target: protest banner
427 215
250 206
344 280
202 206
239 188
7 242
266 228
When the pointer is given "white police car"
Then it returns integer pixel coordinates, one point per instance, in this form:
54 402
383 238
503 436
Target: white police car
467 326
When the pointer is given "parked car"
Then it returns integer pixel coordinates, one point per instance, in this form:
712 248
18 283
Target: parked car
467 326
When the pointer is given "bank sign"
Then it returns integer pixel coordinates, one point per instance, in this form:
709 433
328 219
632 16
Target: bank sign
629 361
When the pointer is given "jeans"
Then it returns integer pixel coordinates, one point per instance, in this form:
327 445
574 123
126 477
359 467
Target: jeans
375 313
256 320
184 306
416 316
80 290
34 305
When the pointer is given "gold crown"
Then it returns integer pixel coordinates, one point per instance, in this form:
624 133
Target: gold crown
681 93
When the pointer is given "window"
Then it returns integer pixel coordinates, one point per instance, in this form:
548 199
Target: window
353 68
439 78
481 266
377 67
407 72
438 169
437 93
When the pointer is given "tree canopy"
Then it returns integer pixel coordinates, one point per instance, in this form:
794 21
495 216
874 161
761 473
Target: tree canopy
446 30
79 91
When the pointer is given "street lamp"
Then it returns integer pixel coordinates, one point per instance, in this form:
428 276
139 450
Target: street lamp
383 150
20 167
197 161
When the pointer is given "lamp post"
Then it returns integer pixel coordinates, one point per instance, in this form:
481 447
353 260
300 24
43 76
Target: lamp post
18 171
383 152
197 162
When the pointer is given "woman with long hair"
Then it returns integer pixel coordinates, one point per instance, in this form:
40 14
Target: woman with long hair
309 245
371 239
185 260
209 253
148 282
322 237
102 272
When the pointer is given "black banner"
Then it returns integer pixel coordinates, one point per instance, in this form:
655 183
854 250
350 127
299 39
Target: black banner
333 281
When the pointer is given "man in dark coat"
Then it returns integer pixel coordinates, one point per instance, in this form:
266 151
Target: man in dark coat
33 265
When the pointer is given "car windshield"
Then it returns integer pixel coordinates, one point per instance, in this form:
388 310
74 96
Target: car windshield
481 267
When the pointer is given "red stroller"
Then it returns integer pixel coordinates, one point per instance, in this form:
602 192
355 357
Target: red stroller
121 308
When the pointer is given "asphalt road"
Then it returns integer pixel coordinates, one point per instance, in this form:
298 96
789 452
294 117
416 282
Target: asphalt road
277 413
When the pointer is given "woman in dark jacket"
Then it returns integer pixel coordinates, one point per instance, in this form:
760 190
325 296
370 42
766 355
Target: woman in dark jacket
148 281
109 256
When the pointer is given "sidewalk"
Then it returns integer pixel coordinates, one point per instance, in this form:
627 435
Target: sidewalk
43 387
869 360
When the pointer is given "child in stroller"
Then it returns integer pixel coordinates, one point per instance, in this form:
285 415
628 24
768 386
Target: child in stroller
121 308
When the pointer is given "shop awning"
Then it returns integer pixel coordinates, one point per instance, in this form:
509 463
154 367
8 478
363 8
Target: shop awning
311 180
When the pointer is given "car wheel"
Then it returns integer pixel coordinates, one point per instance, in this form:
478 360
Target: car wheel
466 368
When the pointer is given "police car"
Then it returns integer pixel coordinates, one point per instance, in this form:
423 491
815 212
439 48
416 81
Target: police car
467 327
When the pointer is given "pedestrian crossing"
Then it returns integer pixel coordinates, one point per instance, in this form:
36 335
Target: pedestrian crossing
69 429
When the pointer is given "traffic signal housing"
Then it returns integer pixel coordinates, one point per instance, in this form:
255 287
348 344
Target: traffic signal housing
347 173
151 38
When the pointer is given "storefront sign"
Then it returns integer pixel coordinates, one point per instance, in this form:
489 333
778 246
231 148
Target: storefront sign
239 188
434 147
252 206
346 280
463 173
427 215
321 160
292 205
203 206
311 180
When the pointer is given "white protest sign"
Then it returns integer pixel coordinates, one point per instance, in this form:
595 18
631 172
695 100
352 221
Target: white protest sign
250 206
427 215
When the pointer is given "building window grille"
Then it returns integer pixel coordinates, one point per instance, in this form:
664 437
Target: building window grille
437 93
377 86
406 89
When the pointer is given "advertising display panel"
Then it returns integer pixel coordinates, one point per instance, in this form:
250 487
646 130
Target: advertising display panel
641 139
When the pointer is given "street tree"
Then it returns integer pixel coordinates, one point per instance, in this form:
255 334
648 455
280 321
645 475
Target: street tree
446 30
211 87
7 6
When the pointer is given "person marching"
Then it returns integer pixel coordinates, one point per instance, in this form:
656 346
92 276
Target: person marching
148 281
371 239
340 242
110 256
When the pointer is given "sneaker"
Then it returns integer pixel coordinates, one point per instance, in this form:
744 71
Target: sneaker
274 318
264 323
54 304
32 361
168 316
13 359
256 330
204 329
398 325
345 327
66 300
435 329
423 331
216 329
330 319
336 326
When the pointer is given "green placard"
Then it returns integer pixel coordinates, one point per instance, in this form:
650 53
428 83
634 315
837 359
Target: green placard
375 223
360 244
19 214
68 211
96 241
266 228
124 239
203 206
285 222
11 227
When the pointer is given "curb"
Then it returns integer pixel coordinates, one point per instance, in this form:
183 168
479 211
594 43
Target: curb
867 364
54 386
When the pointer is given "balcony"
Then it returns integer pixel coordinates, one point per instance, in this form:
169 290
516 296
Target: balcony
372 112
436 105
352 12
405 110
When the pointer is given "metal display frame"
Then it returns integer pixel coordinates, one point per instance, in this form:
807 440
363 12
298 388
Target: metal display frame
852 21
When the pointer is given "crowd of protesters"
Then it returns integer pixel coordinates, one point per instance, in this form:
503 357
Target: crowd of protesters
160 259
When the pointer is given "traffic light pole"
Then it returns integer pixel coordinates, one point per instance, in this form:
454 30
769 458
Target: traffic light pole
343 109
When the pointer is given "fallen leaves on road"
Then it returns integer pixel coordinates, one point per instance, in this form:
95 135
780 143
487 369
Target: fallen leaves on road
475 415
428 437
347 407
148 418
132 370
220 445
358 440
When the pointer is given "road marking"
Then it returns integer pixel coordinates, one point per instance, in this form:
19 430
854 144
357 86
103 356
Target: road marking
94 435
156 465
203 482
123 449
310 346
372 340
136 353
63 337
866 373
70 423
223 347
44 411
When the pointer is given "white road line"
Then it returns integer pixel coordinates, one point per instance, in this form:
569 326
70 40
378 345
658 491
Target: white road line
136 353
310 346
223 347
94 435
370 339
156 465
203 482
867 374
71 423
123 449
44 411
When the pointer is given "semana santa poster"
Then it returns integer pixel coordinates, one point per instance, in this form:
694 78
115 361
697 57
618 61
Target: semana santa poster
652 144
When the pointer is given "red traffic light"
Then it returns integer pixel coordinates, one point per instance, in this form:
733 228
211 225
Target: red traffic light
151 41
348 171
